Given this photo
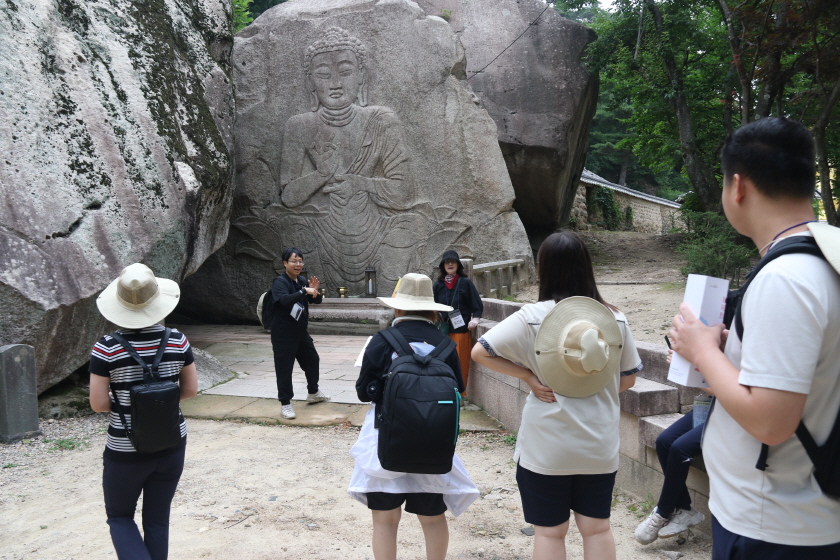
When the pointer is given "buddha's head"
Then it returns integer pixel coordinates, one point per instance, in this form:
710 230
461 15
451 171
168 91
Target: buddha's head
335 71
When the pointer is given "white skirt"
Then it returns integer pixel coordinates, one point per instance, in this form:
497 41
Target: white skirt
369 476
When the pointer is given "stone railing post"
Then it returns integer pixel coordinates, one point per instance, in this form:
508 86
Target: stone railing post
18 393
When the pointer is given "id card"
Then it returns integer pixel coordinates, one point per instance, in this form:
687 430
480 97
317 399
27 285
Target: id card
456 319
702 405
297 311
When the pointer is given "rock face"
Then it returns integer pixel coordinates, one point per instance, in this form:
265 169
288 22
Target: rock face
538 91
115 134
359 142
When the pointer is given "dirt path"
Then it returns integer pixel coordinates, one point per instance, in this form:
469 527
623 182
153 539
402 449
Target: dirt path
639 273
252 492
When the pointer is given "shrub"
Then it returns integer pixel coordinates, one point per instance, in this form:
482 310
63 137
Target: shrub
712 246
607 207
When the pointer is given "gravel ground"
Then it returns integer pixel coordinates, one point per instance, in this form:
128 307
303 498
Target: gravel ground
267 492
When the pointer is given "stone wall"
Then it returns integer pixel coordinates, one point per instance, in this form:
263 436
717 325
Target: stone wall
650 214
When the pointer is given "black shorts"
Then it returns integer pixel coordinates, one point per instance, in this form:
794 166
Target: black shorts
548 499
420 503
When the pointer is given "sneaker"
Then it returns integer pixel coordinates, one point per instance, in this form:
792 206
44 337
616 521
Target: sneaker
317 397
648 530
288 412
680 522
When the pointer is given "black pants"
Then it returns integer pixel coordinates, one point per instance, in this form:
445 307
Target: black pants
287 349
727 545
675 447
157 479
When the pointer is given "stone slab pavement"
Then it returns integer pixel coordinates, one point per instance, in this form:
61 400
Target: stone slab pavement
252 393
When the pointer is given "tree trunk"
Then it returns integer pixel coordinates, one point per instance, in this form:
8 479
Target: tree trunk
700 174
822 155
622 175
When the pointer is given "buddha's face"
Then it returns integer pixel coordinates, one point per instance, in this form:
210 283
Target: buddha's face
336 78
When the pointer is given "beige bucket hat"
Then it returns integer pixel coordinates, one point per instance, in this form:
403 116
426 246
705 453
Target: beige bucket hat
414 293
136 299
828 239
578 347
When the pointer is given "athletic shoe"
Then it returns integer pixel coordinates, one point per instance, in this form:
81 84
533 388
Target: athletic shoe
680 522
317 397
648 530
288 412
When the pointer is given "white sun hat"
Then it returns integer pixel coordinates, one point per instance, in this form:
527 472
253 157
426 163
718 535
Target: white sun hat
414 293
136 299
578 347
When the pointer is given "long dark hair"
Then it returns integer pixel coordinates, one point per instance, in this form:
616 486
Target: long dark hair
565 268
460 272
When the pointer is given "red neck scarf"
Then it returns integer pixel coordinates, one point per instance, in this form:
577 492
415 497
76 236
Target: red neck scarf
450 281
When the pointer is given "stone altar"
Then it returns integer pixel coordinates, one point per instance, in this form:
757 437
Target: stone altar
359 142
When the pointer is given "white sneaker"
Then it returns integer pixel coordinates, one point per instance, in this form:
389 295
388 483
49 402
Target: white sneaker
288 412
317 397
648 530
680 522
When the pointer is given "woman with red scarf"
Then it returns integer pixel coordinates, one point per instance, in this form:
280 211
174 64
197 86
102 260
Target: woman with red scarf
453 288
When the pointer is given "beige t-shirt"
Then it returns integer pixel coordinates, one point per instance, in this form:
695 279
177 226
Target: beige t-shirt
791 316
572 435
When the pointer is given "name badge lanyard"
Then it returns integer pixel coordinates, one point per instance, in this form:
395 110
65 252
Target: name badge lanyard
455 316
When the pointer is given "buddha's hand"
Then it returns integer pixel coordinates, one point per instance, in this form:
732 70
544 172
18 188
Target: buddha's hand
346 186
325 156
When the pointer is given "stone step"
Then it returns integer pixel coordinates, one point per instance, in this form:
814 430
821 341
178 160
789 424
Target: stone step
655 359
649 398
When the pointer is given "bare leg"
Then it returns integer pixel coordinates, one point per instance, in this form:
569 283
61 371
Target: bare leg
550 542
436 532
598 542
385 525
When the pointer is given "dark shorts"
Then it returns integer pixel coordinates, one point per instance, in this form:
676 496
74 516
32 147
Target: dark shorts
726 545
420 503
547 500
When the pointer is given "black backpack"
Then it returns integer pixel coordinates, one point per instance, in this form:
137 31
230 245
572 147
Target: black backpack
826 457
419 411
155 404
265 307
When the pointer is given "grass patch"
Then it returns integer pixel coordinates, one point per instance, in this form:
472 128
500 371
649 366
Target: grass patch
65 444
10 466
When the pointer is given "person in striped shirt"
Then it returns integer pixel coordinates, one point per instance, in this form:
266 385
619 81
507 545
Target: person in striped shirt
137 302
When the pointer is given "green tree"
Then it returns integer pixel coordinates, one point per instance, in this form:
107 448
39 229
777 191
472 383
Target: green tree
694 70
241 14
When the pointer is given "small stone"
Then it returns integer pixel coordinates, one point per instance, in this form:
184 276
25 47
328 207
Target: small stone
528 531
672 554
203 529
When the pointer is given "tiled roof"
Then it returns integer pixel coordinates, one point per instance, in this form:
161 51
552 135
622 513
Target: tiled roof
591 179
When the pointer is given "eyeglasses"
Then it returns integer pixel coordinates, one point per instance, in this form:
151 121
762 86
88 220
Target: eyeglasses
450 262
295 262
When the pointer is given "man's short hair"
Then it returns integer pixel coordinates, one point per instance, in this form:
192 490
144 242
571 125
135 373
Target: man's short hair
776 153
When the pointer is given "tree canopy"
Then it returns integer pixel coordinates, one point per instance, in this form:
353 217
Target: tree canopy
681 74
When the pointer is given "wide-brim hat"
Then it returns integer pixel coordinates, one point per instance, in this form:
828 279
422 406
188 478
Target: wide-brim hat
137 299
414 293
578 347
828 239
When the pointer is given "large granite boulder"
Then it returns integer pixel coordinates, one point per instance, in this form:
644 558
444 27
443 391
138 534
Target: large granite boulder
115 134
538 91
359 142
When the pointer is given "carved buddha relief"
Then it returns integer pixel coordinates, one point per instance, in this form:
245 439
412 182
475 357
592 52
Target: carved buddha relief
346 189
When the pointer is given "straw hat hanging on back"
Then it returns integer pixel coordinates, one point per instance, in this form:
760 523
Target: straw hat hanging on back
578 347
414 293
137 299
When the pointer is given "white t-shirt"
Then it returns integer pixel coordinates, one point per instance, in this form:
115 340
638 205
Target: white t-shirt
791 318
572 435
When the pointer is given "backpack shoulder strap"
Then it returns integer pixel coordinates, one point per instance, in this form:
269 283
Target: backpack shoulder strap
150 371
397 341
785 247
443 350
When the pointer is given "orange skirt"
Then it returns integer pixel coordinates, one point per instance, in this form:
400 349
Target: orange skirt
464 348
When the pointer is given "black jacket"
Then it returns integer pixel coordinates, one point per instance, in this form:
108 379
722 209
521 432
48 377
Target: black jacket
378 354
286 293
467 300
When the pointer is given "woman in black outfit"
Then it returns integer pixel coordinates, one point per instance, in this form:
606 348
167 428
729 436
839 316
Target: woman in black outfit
290 340
453 288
